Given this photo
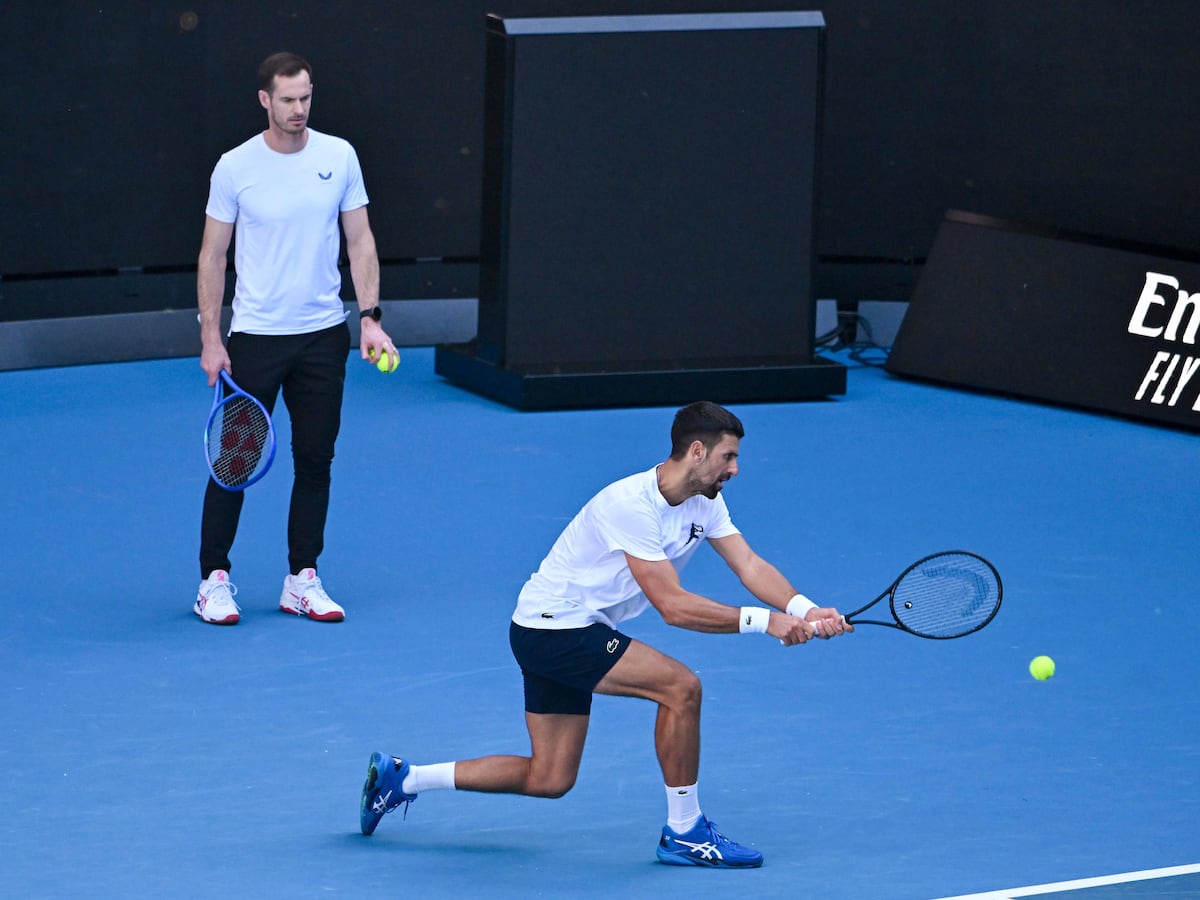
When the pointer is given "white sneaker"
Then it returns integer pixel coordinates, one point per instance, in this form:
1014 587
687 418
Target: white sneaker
304 596
214 599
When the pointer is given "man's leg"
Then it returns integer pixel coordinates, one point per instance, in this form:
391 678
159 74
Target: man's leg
556 748
648 673
556 743
689 839
258 366
313 393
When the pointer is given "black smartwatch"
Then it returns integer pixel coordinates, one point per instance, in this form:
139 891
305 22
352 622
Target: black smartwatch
374 312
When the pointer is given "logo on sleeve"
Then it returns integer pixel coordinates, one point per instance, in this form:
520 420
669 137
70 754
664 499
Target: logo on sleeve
326 176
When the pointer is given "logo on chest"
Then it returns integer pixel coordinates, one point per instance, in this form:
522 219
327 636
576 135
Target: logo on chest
695 535
326 176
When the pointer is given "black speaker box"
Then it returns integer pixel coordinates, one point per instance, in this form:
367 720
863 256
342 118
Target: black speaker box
648 212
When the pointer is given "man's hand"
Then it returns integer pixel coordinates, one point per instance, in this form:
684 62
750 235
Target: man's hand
827 622
789 629
822 623
213 358
374 342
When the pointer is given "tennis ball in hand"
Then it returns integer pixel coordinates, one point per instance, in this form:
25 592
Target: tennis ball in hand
388 362
1041 668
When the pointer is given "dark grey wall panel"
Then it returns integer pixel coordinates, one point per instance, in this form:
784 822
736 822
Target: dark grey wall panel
1076 114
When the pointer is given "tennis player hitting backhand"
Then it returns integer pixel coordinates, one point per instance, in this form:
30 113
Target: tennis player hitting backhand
622 552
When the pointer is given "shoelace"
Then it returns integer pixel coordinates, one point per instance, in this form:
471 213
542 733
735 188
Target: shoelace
717 837
230 589
315 592
395 806
723 843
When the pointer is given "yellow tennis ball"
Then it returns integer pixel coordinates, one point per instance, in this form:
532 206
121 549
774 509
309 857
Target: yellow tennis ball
1041 668
388 362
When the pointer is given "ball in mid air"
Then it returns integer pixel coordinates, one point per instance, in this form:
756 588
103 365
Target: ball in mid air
1041 667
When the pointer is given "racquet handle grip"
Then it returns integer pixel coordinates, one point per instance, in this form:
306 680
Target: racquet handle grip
815 634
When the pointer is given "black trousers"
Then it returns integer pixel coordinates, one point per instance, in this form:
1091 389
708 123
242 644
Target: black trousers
310 370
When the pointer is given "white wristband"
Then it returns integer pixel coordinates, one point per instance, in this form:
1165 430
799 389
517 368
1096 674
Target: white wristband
799 606
754 620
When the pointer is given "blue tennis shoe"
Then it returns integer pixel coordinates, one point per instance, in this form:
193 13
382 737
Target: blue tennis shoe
705 846
383 791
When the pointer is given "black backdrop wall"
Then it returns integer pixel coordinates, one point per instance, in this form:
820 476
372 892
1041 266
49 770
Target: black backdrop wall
1076 114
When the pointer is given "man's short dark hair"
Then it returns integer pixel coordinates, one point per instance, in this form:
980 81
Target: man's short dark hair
702 421
285 64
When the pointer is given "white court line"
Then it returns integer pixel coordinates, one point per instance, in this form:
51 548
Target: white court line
1080 883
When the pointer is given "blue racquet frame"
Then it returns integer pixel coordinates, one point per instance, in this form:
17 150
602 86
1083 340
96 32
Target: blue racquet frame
239 438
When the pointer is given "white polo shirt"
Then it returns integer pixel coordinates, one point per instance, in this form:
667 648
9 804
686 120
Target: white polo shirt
585 577
287 237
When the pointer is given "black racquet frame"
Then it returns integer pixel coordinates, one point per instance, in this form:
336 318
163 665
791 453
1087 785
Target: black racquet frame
961 588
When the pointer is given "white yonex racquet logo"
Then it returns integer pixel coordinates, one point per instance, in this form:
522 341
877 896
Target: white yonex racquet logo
707 850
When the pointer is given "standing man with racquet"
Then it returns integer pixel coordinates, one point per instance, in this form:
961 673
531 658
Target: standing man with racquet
284 192
620 554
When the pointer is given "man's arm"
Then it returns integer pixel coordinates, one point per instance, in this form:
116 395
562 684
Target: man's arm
210 292
758 576
679 607
364 272
770 586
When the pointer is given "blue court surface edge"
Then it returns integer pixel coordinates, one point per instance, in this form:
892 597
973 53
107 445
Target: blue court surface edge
146 754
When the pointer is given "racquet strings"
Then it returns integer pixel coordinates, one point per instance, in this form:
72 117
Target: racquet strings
237 441
947 595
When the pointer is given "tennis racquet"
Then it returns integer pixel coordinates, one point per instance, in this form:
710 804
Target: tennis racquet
945 595
239 439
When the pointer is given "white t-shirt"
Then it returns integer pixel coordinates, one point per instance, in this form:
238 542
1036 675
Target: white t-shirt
287 238
585 577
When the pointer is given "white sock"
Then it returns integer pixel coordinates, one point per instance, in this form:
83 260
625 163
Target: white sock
439 776
683 808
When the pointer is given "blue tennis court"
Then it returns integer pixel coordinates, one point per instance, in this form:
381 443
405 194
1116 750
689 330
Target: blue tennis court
146 754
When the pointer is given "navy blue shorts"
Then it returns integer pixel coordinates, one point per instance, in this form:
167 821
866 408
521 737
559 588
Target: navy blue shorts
562 667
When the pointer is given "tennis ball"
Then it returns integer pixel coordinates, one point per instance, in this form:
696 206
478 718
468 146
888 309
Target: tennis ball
1041 668
387 361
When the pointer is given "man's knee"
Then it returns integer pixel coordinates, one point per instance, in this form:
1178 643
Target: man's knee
313 467
550 783
553 788
685 689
